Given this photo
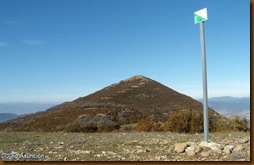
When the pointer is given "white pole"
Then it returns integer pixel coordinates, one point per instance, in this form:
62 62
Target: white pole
205 101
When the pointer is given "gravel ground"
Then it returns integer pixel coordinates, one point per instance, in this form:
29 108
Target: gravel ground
151 146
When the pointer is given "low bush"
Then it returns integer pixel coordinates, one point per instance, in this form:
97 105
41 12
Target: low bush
109 128
86 128
238 123
144 125
185 121
190 121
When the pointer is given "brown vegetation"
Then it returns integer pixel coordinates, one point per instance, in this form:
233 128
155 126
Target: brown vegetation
137 100
189 121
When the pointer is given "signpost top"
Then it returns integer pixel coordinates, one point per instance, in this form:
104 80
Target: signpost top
200 16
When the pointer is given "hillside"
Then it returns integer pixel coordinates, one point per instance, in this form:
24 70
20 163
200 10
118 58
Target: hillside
122 103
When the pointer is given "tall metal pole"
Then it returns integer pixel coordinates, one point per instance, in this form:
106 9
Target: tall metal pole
205 101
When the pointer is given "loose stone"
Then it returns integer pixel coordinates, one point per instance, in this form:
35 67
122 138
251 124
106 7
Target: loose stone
205 154
61 143
190 151
197 148
238 148
216 149
180 147
227 150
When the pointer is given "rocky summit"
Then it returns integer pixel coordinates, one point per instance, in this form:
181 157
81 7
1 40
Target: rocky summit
120 104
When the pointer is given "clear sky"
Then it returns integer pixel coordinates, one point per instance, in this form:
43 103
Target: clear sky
59 50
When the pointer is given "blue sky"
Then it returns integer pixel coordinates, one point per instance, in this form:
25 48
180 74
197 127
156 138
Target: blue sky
59 50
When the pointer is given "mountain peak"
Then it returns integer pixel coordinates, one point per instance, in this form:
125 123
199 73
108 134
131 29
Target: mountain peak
136 77
126 102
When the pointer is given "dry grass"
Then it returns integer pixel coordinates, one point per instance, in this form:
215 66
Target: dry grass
115 146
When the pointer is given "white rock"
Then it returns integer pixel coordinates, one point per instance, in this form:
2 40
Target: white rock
197 148
61 143
139 147
214 145
203 144
190 151
98 155
111 153
190 148
87 152
216 149
227 150
180 147
238 148
205 154
13 152
229 147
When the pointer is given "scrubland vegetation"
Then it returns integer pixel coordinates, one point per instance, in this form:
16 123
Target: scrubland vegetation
185 121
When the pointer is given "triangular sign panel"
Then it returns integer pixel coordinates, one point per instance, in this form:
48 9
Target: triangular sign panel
200 16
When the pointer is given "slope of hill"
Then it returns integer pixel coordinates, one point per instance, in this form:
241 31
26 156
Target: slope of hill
119 104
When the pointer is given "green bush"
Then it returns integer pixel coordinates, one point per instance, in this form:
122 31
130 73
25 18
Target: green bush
238 123
189 121
185 121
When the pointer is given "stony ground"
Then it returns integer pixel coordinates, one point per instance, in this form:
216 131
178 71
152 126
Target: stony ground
152 146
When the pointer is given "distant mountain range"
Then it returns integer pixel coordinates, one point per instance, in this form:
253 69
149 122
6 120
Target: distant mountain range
9 111
9 116
230 105
24 108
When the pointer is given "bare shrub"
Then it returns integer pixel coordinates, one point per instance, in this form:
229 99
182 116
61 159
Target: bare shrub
144 125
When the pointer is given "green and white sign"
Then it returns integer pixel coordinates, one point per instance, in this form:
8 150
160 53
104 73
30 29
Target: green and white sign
200 16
